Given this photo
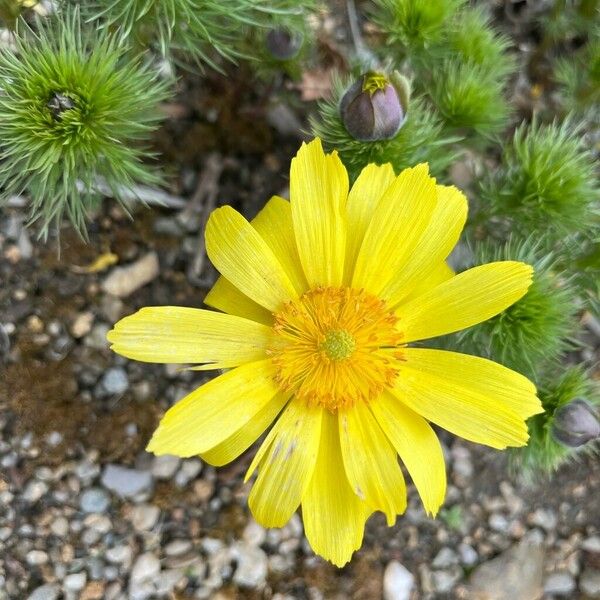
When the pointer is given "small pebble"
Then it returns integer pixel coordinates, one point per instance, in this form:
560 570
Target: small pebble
94 500
398 582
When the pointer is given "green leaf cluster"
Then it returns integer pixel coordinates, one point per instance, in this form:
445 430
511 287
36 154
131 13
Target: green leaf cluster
75 110
460 62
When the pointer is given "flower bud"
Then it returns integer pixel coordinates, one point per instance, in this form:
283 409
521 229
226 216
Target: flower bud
374 107
576 424
283 44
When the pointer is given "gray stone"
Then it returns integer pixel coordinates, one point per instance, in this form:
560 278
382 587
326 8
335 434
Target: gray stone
516 573
94 500
123 281
589 583
254 534
59 527
120 555
190 469
445 558
48 591
544 518
144 516
251 570
444 581
498 523
36 558
34 490
115 381
75 582
178 547
561 583
168 580
144 573
165 466
398 582
126 482
468 555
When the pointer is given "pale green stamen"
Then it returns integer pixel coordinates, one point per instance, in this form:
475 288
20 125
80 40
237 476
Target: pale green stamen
338 344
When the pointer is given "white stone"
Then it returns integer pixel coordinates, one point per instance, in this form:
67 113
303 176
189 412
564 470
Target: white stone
252 562
398 582
165 466
123 281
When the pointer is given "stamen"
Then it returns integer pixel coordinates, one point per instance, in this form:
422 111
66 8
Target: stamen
336 346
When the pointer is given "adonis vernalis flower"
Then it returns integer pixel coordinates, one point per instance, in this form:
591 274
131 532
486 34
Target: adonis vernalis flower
321 298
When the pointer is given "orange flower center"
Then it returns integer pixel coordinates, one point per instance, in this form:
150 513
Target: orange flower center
336 346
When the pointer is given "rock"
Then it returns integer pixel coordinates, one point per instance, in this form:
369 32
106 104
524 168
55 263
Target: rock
60 527
82 324
546 519
515 574
120 555
36 558
398 582
254 534
145 571
94 500
167 582
165 466
190 469
126 482
468 555
178 547
144 516
589 583
204 489
34 491
49 591
115 381
252 562
75 582
444 581
445 558
559 584
123 281
498 522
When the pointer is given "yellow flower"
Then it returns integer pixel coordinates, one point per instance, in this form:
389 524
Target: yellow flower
321 298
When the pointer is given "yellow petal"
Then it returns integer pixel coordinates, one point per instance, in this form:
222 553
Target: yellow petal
363 198
226 297
174 334
442 272
467 299
286 462
460 407
489 379
274 223
241 255
371 463
318 193
210 413
232 446
395 229
334 517
438 240
418 447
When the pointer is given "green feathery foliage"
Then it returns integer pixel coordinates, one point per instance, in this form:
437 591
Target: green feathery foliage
579 77
73 112
196 30
470 96
534 332
546 183
460 61
419 140
472 38
544 454
414 26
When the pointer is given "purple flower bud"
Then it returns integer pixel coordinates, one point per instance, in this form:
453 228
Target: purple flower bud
374 107
283 44
576 424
